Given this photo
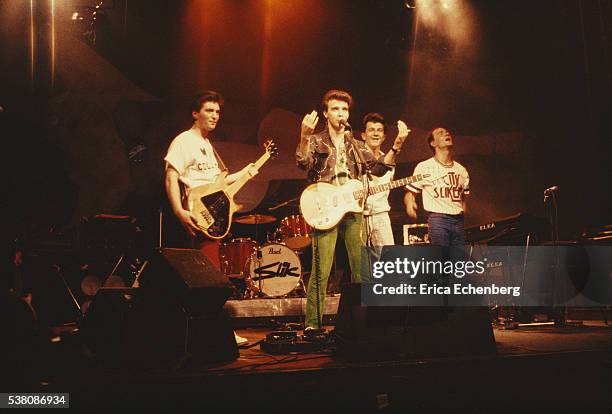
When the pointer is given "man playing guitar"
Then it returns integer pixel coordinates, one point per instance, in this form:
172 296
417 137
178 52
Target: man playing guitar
332 156
192 162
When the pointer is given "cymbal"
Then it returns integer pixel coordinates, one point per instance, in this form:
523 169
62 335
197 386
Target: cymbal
255 219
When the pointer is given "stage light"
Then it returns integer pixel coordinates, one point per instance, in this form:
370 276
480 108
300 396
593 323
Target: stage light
52 45
32 44
75 16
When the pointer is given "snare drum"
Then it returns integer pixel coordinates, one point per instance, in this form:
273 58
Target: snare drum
235 254
295 232
277 272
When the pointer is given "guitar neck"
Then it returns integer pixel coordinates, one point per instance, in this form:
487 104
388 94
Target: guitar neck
240 182
389 186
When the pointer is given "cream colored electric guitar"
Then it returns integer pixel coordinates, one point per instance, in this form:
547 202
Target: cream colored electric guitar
323 205
212 205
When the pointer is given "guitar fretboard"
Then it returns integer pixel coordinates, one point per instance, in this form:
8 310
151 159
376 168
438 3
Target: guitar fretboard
390 185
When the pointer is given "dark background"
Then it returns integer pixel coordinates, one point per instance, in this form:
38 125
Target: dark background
541 69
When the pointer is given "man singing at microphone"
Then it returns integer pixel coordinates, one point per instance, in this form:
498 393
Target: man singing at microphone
330 156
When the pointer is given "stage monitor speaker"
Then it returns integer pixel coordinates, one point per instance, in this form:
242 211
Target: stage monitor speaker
186 276
176 312
390 333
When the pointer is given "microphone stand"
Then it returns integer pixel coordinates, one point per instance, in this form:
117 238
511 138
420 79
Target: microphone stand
361 162
364 177
560 313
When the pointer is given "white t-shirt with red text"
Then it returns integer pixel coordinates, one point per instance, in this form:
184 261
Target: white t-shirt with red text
194 158
443 187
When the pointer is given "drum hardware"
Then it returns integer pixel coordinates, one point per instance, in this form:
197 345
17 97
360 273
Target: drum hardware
284 204
60 273
255 219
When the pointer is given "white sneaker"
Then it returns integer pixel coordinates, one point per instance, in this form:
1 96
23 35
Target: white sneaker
240 340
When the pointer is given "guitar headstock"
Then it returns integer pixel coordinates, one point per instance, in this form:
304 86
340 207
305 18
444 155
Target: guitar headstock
271 148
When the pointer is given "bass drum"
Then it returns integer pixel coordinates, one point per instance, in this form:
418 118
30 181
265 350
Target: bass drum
275 270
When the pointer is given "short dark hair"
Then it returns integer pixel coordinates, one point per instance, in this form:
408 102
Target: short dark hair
374 117
206 96
338 95
430 139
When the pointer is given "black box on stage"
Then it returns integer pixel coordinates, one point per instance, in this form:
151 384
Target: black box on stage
288 342
186 276
388 333
177 312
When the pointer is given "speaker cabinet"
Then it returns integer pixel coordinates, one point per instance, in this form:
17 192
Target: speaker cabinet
390 333
186 276
176 312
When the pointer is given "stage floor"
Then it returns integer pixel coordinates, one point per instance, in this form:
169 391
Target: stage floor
560 368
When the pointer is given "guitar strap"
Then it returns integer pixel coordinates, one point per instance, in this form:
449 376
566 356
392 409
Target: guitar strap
222 166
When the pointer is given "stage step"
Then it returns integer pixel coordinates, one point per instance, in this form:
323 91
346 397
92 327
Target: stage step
276 307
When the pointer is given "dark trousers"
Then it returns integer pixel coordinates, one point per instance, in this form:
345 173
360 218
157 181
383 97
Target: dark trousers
446 229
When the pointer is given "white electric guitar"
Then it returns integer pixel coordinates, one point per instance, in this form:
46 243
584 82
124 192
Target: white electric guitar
323 205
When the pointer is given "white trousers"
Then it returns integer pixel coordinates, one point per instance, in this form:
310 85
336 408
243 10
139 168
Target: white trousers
379 228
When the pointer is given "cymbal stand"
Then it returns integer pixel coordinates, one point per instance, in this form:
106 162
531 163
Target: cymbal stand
75 302
283 204
259 256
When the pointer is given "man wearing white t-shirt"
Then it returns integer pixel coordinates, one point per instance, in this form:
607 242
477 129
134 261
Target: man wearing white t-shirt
191 162
444 191
376 209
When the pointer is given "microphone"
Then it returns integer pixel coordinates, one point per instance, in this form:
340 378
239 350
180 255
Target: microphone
345 124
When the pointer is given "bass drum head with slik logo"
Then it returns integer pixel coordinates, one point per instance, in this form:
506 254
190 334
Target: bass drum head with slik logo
275 270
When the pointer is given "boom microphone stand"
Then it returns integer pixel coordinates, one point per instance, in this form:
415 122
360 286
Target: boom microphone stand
363 166
550 200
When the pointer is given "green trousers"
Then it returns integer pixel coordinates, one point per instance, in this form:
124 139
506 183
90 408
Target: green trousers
323 251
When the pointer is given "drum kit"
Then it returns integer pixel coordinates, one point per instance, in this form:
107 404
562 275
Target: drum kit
272 269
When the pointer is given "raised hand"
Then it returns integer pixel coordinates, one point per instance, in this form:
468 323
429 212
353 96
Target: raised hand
309 123
402 134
